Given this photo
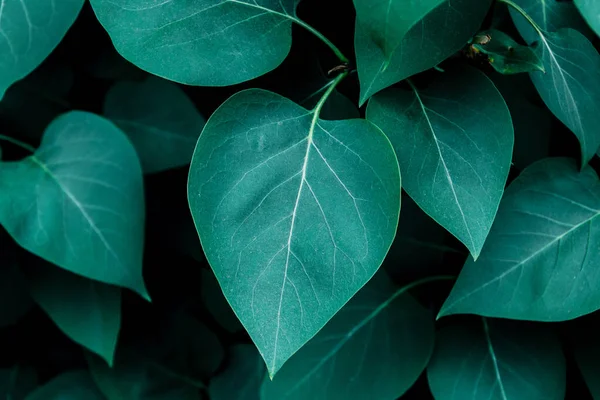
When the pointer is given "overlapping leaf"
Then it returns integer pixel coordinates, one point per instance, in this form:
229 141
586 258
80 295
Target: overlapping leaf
159 119
539 262
78 201
295 214
427 38
454 143
72 385
29 31
571 85
202 42
506 55
590 9
87 311
499 360
375 347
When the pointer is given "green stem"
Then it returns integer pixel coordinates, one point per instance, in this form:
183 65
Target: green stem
18 143
318 34
331 87
525 15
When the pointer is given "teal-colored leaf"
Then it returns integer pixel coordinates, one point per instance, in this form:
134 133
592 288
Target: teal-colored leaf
78 201
375 347
539 261
590 9
30 30
454 143
295 214
17 382
571 85
550 15
507 56
87 311
497 360
433 38
160 120
136 376
72 385
388 21
202 42
15 300
242 379
217 304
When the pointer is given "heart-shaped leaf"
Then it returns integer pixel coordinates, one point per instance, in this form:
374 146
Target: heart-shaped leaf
570 87
539 261
160 120
454 143
87 311
295 214
202 42
497 360
78 201
30 30
375 347
432 38
590 9
72 385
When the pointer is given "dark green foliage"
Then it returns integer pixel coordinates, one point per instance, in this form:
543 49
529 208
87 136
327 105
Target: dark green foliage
204 199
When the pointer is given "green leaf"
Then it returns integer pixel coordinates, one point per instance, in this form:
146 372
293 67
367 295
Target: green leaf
217 304
295 214
375 347
433 38
31 29
454 143
571 85
242 379
507 56
550 15
15 300
499 360
590 9
87 311
17 382
539 260
72 385
387 22
204 42
160 120
136 376
78 201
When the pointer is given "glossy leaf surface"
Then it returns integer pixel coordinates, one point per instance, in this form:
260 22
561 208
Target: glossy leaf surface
295 214
72 385
539 262
497 361
454 144
375 347
571 85
159 119
29 31
87 311
203 42
421 48
78 201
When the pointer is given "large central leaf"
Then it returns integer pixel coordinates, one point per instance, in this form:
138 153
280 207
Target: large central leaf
295 214
201 42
